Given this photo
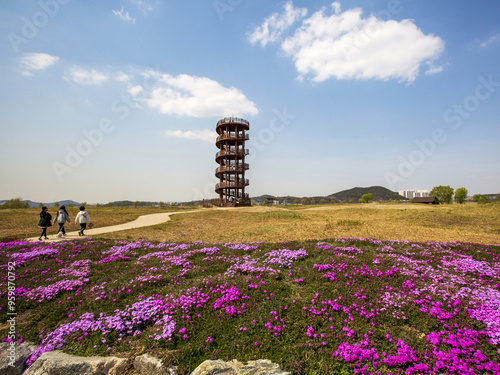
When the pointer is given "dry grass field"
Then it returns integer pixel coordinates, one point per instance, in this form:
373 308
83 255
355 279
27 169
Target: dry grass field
470 223
22 223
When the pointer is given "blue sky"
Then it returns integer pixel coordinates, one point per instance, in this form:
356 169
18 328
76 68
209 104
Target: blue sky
117 100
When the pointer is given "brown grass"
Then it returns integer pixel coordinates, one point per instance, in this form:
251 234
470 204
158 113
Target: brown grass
22 223
468 223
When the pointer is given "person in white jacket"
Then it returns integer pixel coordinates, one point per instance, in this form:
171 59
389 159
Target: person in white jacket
61 218
83 219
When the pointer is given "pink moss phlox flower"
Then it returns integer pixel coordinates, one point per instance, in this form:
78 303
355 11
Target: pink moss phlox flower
158 254
405 355
284 257
79 269
48 292
241 246
358 353
36 252
228 295
248 265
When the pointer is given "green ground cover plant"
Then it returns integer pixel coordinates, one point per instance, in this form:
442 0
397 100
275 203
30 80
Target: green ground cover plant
335 306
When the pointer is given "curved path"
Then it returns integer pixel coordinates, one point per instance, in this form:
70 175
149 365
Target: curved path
141 221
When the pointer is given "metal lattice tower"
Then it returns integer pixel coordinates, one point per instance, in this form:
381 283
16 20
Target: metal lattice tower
231 159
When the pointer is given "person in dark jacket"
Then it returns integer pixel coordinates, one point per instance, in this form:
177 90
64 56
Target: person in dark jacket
44 223
61 218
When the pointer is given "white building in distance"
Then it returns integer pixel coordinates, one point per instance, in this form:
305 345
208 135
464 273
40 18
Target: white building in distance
410 194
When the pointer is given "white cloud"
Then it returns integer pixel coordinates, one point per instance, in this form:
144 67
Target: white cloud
124 15
85 77
490 40
135 90
434 69
274 25
122 77
204 135
143 6
343 45
36 61
192 96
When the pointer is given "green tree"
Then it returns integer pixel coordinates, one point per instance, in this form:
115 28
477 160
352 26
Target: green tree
443 193
322 201
98 205
40 204
313 201
461 194
122 204
70 205
136 204
483 199
366 198
303 201
56 204
162 204
350 200
84 203
476 197
332 201
295 201
173 204
148 204
110 204
16 203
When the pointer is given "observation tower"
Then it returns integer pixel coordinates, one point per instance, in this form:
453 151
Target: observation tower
231 159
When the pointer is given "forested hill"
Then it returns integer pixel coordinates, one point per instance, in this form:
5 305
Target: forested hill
356 193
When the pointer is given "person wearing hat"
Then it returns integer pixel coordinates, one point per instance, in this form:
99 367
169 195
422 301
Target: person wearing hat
44 223
61 218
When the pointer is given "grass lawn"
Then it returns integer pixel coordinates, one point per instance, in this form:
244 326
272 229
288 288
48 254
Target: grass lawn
470 223
22 223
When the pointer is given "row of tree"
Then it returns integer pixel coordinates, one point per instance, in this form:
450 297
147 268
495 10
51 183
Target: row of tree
446 194
482 199
15 203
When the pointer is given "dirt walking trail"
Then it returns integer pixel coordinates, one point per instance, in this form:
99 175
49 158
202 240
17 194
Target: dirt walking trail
141 221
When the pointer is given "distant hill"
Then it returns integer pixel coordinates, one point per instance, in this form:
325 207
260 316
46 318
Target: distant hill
354 194
290 199
37 204
378 192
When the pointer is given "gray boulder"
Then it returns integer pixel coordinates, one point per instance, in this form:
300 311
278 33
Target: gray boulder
148 365
21 353
259 367
58 363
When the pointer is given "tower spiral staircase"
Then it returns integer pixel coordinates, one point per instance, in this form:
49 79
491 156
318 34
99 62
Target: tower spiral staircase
231 159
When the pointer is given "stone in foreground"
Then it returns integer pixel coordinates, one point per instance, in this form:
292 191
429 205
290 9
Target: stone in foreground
22 352
57 362
259 367
148 365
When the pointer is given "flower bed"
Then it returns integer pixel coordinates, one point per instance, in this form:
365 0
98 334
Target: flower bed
342 306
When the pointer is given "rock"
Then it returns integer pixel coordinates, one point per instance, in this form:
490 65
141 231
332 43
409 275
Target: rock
58 363
22 352
147 365
259 367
